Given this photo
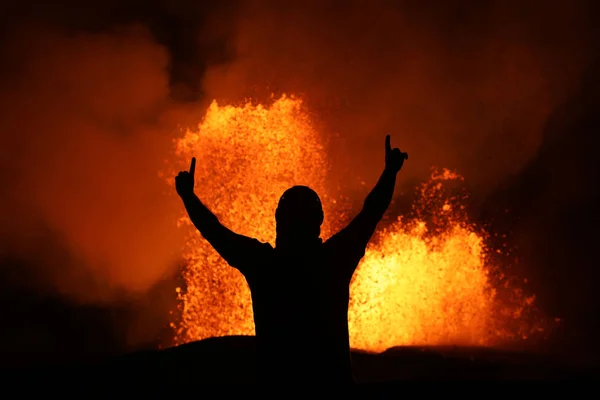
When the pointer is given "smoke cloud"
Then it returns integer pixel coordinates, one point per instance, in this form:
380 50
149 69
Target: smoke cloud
462 85
84 138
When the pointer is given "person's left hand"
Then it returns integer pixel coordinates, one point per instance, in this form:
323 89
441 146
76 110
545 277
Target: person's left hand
394 158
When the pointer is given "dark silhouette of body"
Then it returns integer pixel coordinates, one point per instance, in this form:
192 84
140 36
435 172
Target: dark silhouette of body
300 288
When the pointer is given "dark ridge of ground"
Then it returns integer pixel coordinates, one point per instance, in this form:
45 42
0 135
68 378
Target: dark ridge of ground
231 360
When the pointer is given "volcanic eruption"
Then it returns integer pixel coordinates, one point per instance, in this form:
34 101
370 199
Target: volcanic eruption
504 94
426 278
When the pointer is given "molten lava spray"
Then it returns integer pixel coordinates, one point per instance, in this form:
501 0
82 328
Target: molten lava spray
427 280
424 280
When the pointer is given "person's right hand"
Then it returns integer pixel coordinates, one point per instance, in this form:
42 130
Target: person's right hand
184 181
394 158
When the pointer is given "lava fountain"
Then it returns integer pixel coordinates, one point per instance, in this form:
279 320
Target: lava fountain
425 279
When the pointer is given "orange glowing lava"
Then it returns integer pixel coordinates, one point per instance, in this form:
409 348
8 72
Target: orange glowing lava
425 279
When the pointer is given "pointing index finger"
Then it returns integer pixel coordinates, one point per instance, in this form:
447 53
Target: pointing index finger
388 146
193 166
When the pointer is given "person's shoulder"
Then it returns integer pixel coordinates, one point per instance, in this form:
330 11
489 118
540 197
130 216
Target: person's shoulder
257 254
341 245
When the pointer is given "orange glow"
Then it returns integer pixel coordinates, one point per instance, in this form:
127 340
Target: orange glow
424 280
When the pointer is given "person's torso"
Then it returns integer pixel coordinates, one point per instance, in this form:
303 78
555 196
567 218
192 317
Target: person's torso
300 304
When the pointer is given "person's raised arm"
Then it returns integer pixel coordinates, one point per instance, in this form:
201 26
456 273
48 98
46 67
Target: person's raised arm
380 197
234 248
358 233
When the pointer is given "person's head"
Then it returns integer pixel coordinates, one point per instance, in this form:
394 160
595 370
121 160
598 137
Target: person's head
299 214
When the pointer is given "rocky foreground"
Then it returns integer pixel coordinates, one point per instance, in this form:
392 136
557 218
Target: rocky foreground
231 360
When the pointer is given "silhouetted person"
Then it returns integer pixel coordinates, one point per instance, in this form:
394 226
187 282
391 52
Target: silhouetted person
301 288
